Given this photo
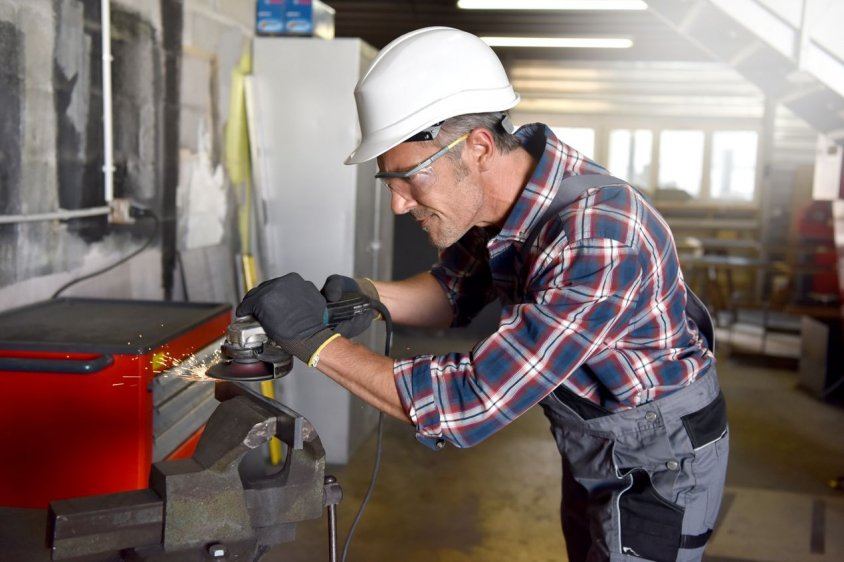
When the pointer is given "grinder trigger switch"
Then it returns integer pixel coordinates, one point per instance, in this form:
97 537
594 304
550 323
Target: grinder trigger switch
347 307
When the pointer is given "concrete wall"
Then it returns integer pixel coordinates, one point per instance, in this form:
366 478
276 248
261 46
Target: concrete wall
216 35
171 75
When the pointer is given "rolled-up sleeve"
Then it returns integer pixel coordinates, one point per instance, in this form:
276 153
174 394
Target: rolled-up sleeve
576 303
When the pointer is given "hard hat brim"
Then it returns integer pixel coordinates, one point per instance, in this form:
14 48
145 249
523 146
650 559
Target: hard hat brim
379 142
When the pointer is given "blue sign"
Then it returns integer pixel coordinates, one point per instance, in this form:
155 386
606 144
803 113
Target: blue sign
285 17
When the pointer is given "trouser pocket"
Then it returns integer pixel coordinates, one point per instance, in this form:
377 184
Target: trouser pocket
708 435
707 425
650 526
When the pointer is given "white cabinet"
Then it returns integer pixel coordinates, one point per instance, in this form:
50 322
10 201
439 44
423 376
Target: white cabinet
319 215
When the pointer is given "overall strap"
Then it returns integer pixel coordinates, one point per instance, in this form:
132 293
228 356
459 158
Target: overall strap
570 189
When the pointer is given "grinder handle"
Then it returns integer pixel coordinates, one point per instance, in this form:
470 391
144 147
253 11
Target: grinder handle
349 306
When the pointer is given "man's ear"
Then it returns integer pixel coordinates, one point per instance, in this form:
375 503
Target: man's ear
481 147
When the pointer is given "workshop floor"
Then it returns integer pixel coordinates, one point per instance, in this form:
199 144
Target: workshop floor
498 501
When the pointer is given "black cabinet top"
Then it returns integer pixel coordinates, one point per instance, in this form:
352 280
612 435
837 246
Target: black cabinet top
101 325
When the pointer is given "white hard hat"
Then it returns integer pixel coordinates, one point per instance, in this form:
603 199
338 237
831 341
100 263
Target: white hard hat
422 78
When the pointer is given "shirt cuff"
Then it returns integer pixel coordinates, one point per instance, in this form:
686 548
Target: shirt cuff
416 393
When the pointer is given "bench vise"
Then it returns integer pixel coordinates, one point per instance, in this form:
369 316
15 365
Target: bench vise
211 506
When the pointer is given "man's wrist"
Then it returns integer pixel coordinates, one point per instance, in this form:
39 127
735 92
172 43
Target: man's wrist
367 287
307 349
314 359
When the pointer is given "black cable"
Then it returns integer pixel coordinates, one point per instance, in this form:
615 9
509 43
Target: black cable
141 213
388 344
182 275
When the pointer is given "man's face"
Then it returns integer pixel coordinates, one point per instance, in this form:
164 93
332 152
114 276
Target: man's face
444 198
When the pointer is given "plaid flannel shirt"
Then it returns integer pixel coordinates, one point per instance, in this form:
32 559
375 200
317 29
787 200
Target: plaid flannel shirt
598 307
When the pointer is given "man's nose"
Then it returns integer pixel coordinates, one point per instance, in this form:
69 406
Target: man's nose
401 204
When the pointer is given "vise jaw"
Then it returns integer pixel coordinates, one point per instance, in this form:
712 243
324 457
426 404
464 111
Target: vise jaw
211 506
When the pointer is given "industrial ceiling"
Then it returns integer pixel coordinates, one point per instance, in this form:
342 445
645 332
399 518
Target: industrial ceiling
378 22
777 54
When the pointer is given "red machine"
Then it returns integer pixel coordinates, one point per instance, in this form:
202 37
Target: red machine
84 409
818 253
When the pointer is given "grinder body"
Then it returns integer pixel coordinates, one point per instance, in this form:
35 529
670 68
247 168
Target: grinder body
248 354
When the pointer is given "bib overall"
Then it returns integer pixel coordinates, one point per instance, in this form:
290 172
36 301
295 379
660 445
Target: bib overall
644 483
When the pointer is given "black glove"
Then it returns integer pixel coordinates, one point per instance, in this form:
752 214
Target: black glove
292 312
338 285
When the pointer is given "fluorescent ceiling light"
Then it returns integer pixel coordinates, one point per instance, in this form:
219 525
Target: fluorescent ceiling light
552 5
561 42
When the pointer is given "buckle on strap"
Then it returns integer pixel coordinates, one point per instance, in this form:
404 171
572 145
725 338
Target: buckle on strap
695 541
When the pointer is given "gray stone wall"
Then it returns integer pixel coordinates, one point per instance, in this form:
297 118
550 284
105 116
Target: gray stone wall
171 73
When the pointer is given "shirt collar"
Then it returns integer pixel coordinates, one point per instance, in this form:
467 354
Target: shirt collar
555 161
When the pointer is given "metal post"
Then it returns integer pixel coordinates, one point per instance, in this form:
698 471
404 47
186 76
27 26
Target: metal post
108 141
333 495
803 37
332 533
61 214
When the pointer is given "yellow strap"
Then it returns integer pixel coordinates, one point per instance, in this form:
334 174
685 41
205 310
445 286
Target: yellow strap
312 362
456 141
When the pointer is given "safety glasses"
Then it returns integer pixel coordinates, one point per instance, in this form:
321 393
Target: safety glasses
419 176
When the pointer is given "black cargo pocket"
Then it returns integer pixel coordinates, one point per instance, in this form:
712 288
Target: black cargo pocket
650 525
707 424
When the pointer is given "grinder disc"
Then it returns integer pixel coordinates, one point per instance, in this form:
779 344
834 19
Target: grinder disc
236 371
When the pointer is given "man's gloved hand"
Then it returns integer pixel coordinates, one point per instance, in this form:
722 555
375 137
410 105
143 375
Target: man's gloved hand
337 285
292 312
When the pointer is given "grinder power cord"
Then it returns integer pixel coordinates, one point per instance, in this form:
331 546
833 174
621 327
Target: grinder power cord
335 289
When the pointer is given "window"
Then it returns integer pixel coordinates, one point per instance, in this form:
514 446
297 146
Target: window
733 171
630 155
582 139
681 160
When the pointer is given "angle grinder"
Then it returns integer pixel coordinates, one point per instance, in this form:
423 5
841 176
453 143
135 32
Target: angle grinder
248 354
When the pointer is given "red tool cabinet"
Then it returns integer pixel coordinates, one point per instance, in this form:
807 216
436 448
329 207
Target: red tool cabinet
83 407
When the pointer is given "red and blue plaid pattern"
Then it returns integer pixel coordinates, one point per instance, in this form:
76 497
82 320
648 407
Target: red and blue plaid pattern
598 307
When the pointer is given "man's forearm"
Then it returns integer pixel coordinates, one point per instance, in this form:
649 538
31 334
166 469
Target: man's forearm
417 301
363 373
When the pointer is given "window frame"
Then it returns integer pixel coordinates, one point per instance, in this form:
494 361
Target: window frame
757 170
603 124
705 193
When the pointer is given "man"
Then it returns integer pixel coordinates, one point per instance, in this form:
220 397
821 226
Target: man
593 327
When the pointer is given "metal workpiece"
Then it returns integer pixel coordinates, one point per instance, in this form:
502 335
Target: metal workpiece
208 507
291 428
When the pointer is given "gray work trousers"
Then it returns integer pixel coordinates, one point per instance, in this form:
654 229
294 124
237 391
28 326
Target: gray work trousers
645 483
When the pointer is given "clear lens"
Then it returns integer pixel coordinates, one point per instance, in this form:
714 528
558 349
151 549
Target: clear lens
414 185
